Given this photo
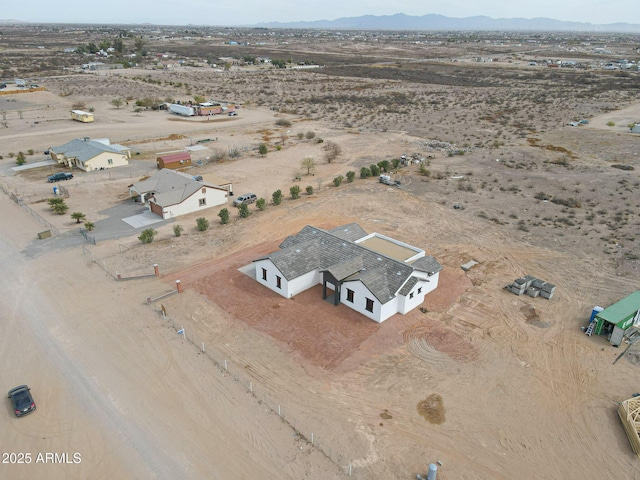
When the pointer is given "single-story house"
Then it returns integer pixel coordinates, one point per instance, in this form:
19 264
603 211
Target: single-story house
88 155
175 161
170 193
617 318
375 275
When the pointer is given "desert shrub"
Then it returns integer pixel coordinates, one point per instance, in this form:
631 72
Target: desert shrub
611 124
365 172
283 122
384 165
262 149
299 135
202 224
375 170
224 216
261 204
395 162
310 135
147 235
20 159
309 190
542 196
11 154
424 170
276 197
30 151
243 211
177 230
295 192
567 202
350 176
338 180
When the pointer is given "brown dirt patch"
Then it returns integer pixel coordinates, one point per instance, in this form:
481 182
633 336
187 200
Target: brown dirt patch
432 409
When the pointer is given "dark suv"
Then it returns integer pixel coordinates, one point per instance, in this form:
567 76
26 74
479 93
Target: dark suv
21 400
56 177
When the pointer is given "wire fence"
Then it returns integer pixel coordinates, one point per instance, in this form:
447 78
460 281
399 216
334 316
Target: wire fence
18 199
226 366
220 361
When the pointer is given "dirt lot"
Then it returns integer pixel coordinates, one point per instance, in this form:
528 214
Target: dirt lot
492 385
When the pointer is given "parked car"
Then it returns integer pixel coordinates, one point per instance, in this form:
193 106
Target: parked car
233 114
56 177
3 86
22 400
245 199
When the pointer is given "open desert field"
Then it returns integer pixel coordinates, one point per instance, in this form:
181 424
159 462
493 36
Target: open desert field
485 383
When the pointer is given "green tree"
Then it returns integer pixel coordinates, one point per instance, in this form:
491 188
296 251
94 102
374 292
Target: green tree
89 226
309 164
55 201
261 204
350 176
338 180
118 46
276 197
117 102
104 44
177 230
262 149
147 235
21 159
295 192
202 224
375 169
61 208
78 216
365 172
224 216
92 48
309 190
384 165
243 210
138 43
395 162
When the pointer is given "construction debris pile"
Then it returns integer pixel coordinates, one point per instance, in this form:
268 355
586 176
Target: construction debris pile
531 286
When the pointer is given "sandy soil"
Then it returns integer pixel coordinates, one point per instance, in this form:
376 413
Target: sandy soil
116 383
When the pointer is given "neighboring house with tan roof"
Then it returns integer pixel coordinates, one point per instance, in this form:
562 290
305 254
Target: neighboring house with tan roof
375 275
170 193
88 155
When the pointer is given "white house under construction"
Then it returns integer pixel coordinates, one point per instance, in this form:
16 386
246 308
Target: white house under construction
373 274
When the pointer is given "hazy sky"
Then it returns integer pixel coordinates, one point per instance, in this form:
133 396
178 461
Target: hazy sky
248 12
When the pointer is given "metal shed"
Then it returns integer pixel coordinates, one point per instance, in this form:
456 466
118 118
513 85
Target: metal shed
618 317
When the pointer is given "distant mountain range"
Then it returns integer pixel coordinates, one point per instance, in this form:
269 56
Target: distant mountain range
433 22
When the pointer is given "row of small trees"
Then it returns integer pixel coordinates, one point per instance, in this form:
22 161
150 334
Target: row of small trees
59 206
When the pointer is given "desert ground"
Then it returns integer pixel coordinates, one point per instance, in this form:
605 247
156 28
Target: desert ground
489 384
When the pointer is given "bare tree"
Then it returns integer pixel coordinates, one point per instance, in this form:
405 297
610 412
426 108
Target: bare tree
332 151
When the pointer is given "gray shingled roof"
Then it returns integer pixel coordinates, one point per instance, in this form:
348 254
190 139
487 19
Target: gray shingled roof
406 288
170 187
84 150
313 248
427 264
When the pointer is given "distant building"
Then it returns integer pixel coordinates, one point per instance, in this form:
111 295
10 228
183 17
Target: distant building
174 161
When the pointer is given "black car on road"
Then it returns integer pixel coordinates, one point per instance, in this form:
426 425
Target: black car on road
56 177
22 400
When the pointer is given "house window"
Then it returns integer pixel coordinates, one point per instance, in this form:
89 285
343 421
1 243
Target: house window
110 161
278 282
349 295
264 273
411 295
202 202
419 290
369 306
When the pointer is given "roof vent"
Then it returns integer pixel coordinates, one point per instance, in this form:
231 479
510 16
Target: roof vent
297 250
379 258
344 244
398 273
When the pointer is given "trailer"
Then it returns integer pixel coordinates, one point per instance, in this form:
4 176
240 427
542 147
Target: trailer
184 110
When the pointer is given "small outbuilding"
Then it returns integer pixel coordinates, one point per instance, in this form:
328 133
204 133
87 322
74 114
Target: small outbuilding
617 318
174 161
81 116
